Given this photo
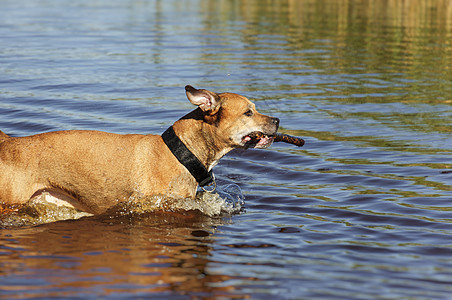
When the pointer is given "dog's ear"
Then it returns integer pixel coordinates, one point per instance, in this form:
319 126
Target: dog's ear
206 100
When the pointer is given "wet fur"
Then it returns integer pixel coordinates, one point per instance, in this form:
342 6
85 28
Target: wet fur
93 170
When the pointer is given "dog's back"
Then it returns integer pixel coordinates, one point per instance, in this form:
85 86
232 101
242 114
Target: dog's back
3 136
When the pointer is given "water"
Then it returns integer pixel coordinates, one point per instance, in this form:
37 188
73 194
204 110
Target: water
362 211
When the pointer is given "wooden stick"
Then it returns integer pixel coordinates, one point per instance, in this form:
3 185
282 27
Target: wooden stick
294 140
279 137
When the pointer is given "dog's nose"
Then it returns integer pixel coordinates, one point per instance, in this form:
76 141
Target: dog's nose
275 121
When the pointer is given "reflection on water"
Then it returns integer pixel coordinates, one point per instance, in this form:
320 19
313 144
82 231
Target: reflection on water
362 211
143 255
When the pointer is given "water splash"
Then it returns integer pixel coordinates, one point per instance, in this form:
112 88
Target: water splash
38 211
226 200
233 198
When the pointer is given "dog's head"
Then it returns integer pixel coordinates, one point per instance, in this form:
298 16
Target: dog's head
235 118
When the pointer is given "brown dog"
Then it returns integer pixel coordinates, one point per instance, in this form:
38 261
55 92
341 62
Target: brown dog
93 171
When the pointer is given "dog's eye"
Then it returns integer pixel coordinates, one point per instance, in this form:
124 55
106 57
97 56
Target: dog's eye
248 113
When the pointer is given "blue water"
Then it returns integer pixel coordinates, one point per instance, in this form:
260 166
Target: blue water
362 211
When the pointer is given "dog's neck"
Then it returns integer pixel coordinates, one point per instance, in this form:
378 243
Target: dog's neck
201 138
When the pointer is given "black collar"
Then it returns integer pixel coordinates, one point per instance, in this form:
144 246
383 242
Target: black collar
187 158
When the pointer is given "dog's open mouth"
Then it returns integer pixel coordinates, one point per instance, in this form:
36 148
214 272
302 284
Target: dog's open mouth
257 139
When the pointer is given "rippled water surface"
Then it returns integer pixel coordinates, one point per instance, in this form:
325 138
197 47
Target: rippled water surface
362 211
